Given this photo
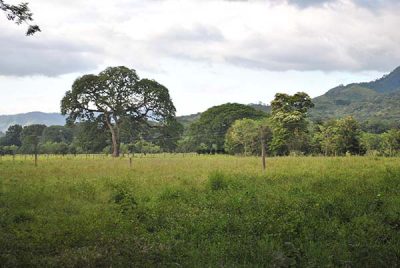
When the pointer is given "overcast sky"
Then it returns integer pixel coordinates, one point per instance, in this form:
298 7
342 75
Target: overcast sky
206 52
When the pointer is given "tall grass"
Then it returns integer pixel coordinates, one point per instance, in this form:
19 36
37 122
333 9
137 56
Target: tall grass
197 211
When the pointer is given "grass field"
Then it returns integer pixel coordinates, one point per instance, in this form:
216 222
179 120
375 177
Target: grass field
200 211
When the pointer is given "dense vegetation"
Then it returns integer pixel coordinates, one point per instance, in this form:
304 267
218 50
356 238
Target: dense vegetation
229 128
375 103
202 211
325 127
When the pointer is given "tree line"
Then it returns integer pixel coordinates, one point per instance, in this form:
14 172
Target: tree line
85 138
229 128
116 112
286 130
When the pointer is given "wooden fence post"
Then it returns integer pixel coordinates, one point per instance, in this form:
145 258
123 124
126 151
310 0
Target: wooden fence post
263 137
263 152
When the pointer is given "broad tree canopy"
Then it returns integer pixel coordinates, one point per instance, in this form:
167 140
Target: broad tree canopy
210 130
118 94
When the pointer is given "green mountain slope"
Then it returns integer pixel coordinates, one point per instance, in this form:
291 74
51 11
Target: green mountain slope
378 100
386 84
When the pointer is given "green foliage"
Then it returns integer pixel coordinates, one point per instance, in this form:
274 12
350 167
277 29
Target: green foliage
11 149
371 142
290 127
114 96
186 144
30 137
91 137
57 134
348 135
391 142
245 135
54 148
12 136
217 181
167 137
341 136
375 102
146 147
214 123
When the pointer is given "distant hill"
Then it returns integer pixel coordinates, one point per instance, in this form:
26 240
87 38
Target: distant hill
48 119
377 101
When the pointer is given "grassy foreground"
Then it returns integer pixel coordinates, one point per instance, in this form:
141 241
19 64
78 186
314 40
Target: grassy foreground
197 211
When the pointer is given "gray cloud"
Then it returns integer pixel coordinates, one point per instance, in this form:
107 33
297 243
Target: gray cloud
338 35
373 4
195 43
23 56
198 33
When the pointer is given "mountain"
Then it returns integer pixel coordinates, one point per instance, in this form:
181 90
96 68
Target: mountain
387 84
375 101
31 118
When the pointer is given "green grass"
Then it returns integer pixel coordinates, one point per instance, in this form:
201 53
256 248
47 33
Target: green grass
200 211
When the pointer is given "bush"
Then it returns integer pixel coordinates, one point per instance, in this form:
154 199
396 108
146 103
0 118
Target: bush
217 181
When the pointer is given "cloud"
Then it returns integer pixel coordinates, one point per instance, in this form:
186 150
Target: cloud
336 37
273 35
316 3
50 57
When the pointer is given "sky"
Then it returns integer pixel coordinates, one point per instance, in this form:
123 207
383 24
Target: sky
206 52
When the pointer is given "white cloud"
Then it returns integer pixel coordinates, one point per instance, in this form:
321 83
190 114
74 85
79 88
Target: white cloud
195 45
272 35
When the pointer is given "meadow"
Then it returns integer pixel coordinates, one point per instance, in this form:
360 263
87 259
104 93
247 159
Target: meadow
199 211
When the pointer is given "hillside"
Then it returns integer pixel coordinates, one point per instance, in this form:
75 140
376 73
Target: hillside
377 101
31 118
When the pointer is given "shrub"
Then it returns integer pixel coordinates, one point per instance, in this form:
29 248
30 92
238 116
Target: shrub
217 181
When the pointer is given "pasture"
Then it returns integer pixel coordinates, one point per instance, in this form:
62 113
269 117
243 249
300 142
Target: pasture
199 211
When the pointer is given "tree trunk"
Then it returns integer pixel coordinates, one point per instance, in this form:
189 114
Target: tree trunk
115 141
263 153
114 137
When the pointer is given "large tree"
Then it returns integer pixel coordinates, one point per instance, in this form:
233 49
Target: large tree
210 130
117 94
289 115
20 14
